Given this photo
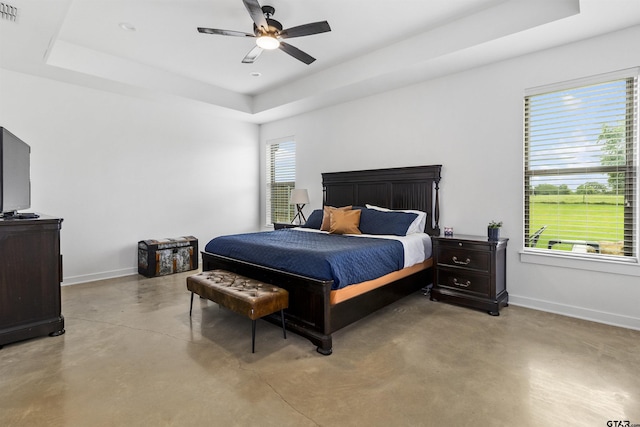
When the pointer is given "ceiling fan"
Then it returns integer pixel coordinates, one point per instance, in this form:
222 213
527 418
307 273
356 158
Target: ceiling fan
269 33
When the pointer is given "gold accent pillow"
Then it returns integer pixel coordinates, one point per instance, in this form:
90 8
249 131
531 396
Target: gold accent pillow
345 222
326 217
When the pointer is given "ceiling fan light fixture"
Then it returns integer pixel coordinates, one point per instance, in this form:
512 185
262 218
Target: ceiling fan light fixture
268 42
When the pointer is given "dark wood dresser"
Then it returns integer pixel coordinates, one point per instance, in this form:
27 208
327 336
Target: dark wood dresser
471 271
30 276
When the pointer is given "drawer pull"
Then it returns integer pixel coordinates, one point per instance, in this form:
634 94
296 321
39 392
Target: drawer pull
455 259
464 285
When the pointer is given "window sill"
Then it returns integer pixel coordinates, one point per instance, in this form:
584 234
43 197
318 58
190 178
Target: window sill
604 265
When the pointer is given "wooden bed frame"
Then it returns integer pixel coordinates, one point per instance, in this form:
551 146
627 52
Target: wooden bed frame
310 312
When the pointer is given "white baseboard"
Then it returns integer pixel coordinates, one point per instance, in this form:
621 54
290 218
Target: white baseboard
74 280
577 312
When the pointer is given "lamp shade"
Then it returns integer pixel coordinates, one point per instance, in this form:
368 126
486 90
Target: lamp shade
299 197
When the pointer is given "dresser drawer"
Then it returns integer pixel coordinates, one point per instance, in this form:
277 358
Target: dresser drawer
462 257
464 281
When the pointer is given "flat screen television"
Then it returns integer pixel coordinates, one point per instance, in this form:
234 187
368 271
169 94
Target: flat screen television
15 178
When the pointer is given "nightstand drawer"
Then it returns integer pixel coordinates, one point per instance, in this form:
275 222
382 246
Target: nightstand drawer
452 256
462 244
464 282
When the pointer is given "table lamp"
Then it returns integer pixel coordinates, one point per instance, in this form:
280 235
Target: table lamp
299 197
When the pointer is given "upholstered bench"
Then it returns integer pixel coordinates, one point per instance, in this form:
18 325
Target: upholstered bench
245 296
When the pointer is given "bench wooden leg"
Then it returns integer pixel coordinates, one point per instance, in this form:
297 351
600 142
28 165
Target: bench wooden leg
191 306
253 336
284 331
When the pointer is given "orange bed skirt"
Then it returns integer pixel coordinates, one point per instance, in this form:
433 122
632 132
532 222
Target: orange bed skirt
354 290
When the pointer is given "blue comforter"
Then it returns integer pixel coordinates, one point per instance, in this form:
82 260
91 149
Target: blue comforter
344 259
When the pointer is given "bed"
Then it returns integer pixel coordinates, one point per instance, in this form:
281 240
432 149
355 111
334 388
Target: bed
316 308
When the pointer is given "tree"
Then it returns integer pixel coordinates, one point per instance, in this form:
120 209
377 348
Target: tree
546 189
591 188
613 154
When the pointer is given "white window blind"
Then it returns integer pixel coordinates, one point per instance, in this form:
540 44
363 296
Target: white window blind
580 167
281 179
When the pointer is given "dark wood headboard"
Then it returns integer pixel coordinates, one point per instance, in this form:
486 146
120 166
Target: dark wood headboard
414 187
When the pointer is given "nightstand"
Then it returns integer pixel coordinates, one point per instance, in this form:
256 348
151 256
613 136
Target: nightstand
470 271
281 225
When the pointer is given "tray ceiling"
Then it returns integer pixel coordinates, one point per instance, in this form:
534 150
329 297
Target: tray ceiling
373 46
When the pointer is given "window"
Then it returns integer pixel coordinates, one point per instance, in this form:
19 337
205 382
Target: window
580 168
281 179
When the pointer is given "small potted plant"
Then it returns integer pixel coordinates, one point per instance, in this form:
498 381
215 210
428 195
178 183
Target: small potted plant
493 230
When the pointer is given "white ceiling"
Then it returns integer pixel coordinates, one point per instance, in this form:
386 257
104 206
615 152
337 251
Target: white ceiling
374 45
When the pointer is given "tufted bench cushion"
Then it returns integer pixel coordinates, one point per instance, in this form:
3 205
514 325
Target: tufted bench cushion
243 295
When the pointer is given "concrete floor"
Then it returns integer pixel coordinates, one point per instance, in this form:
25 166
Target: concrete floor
131 356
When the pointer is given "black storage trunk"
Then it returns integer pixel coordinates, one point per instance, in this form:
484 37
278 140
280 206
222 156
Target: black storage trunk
167 256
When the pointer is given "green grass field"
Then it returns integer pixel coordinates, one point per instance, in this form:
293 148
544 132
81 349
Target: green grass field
591 199
600 219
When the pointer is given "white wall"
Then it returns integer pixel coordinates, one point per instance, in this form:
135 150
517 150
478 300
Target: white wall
472 124
121 169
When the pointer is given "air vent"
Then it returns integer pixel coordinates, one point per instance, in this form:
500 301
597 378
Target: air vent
8 12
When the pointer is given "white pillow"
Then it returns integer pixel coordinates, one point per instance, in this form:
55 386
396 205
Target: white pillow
418 224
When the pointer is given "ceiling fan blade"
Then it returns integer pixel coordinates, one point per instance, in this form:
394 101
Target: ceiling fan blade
252 55
224 32
254 9
297 53
306 30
